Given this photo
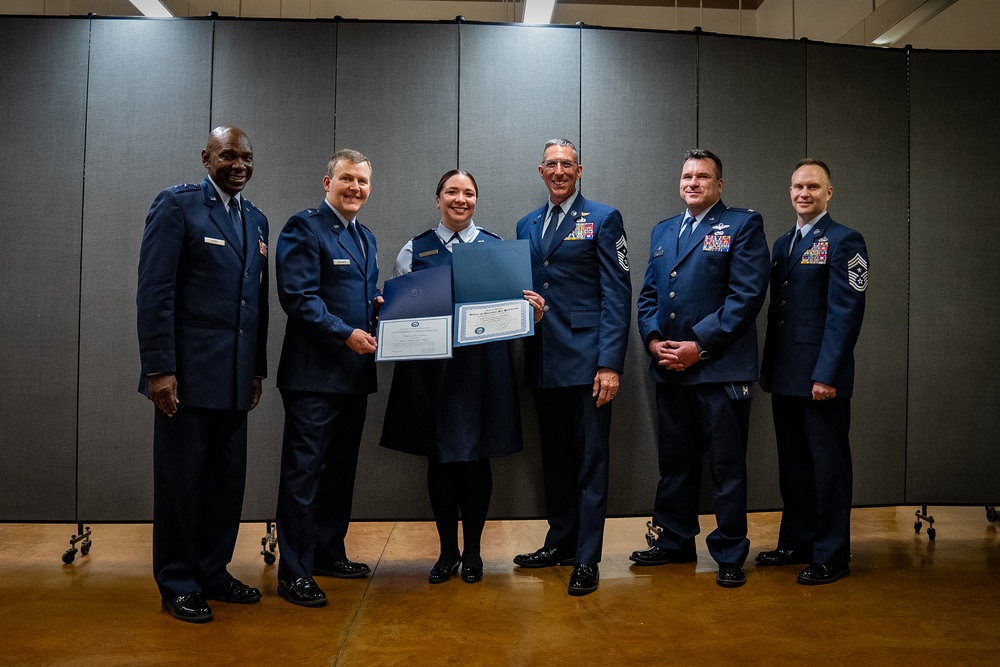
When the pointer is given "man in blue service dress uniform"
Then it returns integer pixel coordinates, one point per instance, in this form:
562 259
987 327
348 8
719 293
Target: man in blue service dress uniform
819 275
704 286
327 273
202 324
579 262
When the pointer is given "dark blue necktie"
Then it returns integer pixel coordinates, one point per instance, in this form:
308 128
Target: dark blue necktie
234 215
550 231
798 237
352 227
685 233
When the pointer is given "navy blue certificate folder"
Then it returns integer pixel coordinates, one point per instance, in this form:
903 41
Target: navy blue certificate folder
424 293
491 271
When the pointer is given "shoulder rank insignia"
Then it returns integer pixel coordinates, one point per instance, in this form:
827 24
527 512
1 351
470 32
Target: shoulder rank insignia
857 273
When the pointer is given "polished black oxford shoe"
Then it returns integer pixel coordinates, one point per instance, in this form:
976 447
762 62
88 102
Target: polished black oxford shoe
190 607
303 592
545 557
584 579
782 557
471 575
659 556
442 573
234 591
342 569
731 575
823 573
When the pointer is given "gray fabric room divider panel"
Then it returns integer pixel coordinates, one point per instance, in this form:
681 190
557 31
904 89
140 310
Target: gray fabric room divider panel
752 113
857 120
110 111
282 93
43 74
639 110
397 94
953 418
147 122
519 87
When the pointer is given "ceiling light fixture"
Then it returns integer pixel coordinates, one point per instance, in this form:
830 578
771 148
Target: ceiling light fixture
151 8
920 15
538 11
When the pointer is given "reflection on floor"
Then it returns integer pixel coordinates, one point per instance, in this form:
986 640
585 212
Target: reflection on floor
908 601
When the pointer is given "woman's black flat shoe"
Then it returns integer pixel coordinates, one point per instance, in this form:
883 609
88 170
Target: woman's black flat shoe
440 574
471 575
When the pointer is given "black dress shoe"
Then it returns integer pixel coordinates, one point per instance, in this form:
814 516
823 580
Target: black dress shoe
545 557
471 575
823 573
442 573
303 592
234 591
584 579
731 575
658 556
342 569
190 607
782 557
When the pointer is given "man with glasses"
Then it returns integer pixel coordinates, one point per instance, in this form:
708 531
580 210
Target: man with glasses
579 262
704 286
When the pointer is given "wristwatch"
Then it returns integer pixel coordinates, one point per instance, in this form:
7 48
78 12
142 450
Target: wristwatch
702 352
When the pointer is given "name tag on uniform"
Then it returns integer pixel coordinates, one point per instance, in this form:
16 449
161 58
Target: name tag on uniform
817 254
209 239
715 243
584 231
341 262
428 253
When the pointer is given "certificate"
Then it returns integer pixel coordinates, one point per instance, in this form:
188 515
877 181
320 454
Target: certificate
489 279
495 320
417 338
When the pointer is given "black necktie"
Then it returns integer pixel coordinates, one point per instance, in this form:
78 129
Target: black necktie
685 233
234 215
798 237
352 227
550 231
455 237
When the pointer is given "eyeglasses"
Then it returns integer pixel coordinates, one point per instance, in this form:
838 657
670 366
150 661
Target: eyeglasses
550 165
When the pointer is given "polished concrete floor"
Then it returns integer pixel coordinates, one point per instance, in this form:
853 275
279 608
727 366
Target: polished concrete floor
908 601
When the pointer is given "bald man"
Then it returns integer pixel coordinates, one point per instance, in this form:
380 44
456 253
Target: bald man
202 324
819 278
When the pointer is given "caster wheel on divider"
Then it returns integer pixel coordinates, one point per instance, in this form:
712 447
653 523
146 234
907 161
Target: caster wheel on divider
991 514
269 558
85 548
931 534
69 556
916 527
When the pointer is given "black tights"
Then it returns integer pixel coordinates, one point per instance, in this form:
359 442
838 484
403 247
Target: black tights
464 487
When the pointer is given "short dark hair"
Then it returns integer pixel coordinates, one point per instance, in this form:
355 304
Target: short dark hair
348 154
819 163
561 142
455 172
702 154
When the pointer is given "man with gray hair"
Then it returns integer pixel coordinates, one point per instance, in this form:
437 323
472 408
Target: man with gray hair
327 276
579 264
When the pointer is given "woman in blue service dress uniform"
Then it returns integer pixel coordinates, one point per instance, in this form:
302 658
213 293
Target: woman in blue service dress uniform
458 412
